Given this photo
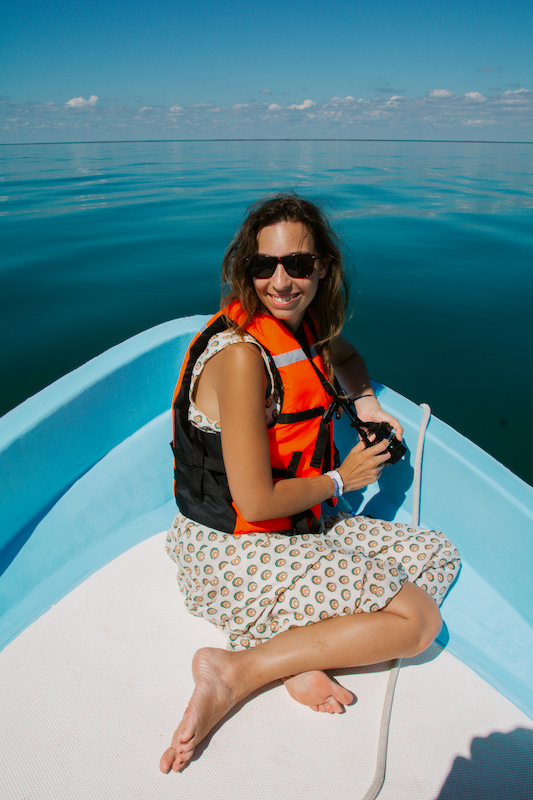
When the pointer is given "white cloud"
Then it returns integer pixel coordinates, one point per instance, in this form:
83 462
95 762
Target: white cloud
266 91
440 93
304 105
347 99
80 102
507 113
515 96
476 96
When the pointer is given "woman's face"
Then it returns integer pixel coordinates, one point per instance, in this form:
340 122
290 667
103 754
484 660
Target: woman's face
284 297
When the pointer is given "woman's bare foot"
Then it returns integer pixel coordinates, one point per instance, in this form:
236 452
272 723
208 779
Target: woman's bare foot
316 690
215 693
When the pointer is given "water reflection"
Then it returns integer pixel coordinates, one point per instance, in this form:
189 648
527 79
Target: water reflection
440 234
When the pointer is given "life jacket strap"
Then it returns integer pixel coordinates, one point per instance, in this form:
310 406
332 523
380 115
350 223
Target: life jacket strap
290 471
201 481
198 459
323 439
300 524
202 484
299 416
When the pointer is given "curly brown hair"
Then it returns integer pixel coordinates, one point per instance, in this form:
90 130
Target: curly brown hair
331 300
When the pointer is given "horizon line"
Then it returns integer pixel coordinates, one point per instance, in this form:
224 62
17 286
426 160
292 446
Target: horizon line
277 139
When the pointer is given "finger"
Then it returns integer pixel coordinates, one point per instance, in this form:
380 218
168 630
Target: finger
359 447
398 430
379 447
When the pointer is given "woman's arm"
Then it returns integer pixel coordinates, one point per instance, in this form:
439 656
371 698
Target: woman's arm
237 376
352 373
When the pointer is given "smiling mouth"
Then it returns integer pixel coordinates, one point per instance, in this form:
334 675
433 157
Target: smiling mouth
284 299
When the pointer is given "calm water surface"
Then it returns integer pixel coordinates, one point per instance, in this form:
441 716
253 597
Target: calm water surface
101 241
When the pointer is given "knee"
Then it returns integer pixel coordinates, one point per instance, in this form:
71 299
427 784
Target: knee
430 629
421 616
426 625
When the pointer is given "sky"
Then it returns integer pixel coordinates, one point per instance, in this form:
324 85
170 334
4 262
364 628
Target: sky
93 70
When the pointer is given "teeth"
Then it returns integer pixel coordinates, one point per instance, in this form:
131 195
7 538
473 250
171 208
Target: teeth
285 299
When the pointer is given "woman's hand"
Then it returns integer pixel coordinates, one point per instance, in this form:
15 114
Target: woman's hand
362 466
368 409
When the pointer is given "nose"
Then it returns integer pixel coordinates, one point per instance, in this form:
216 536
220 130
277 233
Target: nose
280 279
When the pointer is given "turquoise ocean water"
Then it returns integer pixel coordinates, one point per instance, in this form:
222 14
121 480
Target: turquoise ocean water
103 240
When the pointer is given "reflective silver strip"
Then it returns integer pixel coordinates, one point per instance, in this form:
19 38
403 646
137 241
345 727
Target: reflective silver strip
292 357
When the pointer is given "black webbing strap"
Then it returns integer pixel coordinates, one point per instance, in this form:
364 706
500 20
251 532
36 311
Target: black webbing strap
290 471
322 440
209 486
197 483
299 416
201 482
302 340
195 458
300 523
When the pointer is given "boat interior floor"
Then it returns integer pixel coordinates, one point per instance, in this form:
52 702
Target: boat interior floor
94 689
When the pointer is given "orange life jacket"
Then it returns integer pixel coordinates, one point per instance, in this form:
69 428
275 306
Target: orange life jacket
300 440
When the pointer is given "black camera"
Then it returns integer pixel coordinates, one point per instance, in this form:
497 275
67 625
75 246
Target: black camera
381 430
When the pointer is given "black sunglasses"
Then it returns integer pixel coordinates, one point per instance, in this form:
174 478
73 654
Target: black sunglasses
298 265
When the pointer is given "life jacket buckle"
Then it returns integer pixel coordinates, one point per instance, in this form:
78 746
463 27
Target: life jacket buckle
330 411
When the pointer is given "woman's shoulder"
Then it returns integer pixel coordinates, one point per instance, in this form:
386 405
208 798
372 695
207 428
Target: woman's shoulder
236 353
230 366
228 350
230 345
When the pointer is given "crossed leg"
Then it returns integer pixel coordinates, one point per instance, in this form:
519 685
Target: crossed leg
405 627
316 690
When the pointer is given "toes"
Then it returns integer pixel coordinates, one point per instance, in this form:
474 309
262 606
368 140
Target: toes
180 761
331 706
175 758
167 760
346 697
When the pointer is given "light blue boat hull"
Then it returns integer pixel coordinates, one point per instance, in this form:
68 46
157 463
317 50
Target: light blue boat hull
86 473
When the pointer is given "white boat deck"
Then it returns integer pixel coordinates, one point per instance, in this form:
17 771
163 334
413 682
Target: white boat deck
93 690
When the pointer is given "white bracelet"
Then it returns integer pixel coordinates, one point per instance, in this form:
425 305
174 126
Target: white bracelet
337 481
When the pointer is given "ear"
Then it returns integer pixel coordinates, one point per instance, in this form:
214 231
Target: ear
324 267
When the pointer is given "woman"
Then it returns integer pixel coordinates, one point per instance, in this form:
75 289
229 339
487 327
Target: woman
256 557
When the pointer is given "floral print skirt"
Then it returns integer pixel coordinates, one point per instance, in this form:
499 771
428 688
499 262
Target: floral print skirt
255 586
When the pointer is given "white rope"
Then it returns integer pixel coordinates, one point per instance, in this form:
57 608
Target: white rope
379 776
417 479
